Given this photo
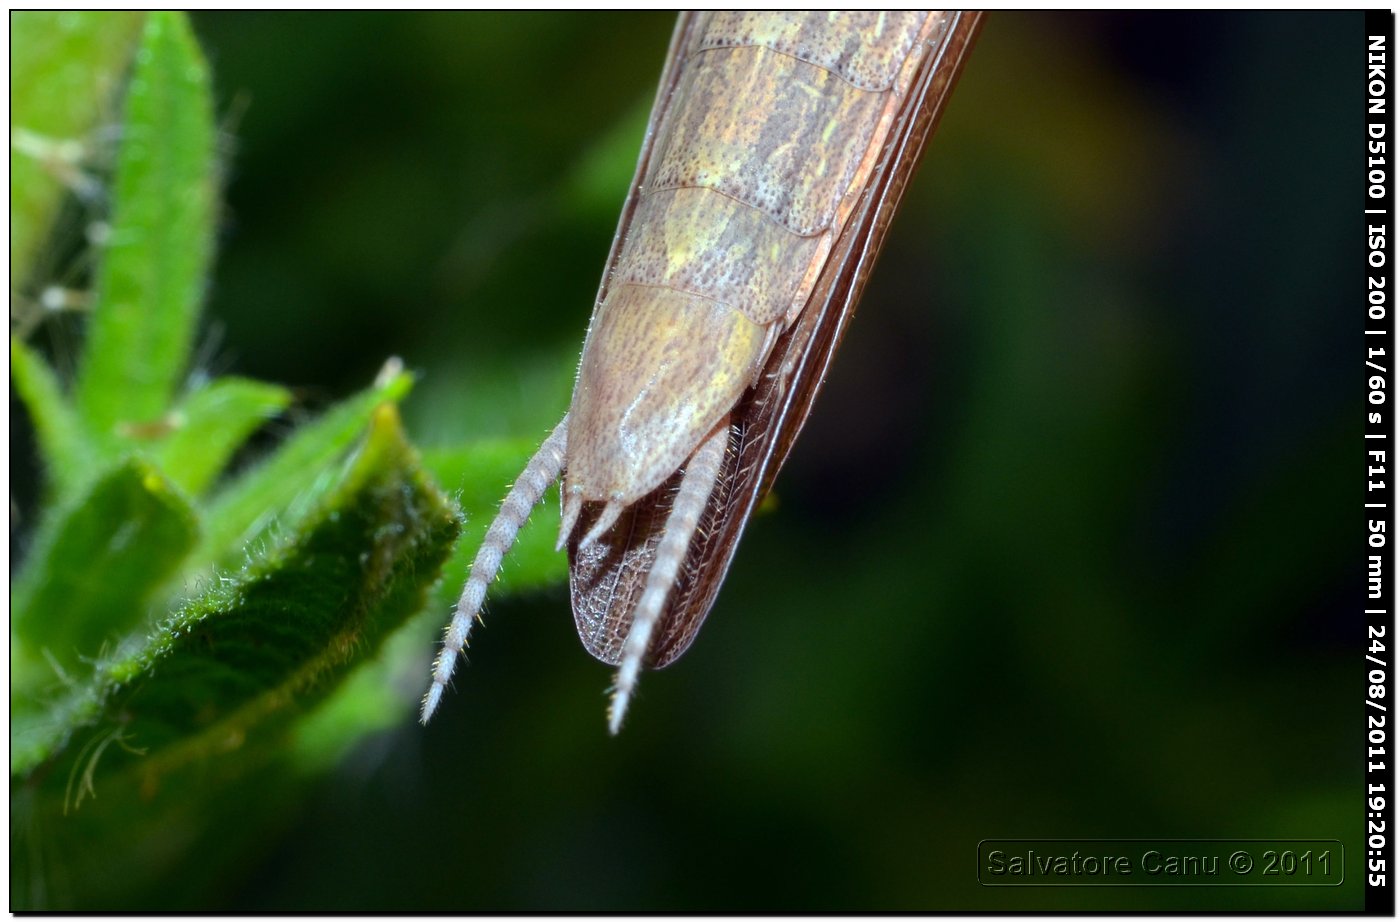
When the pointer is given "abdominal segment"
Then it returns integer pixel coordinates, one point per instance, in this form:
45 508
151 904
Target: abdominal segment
661 368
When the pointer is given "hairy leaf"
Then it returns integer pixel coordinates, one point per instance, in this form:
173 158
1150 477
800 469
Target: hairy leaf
292 479
150 282
93 567
253 651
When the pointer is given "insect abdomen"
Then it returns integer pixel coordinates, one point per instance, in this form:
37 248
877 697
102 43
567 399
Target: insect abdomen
775 157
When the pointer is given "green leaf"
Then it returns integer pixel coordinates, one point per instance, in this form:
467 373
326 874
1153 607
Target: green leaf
62 439
233 665
94 567
150 281
290 481
64 69
180 744
209 424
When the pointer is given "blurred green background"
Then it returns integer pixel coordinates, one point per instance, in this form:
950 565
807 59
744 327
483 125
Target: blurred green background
1068 548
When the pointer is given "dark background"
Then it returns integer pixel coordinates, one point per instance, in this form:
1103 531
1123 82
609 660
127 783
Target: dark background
1069 548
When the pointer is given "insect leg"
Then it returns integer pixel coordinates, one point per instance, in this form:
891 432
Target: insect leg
542 470
697 483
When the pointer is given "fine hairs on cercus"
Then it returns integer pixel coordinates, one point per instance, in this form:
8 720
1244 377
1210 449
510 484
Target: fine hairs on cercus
778 149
